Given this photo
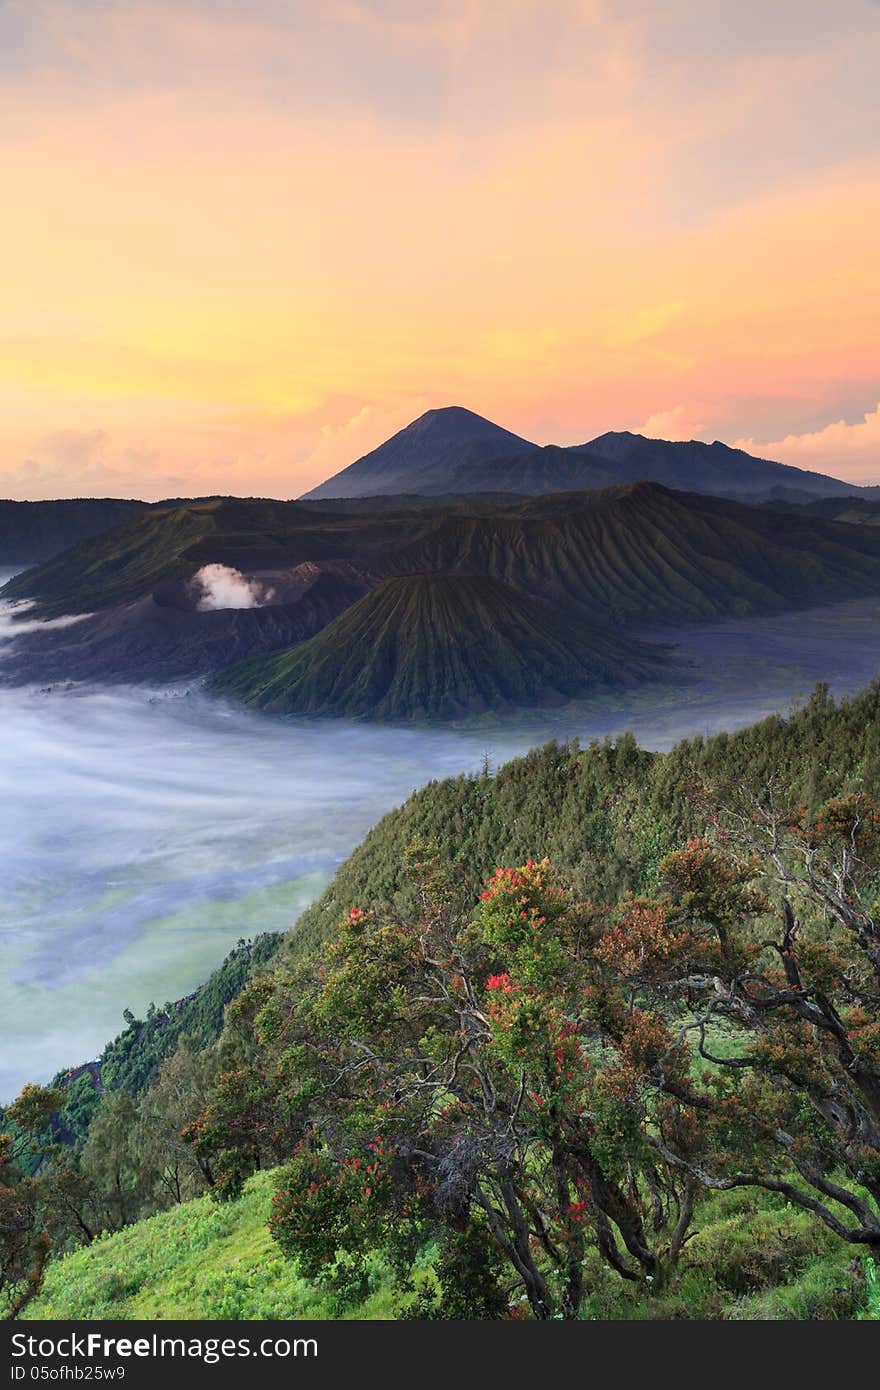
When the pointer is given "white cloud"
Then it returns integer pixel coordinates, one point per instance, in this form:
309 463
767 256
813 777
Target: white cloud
84 463
850 451
12 624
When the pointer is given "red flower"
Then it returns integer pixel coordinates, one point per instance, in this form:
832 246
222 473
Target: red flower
502 982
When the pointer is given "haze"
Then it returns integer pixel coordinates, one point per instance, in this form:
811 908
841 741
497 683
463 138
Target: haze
144 833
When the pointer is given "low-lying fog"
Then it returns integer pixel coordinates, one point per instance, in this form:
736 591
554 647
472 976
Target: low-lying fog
143 833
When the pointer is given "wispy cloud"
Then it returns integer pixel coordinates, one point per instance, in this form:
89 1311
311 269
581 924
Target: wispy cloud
239 238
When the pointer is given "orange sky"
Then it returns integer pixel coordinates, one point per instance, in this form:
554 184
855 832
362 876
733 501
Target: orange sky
242 243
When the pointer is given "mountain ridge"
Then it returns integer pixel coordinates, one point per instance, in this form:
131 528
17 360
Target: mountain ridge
452 450
635 555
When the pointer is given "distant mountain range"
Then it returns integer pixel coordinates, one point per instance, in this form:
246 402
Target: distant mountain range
454 451
31 532
446 458
455 569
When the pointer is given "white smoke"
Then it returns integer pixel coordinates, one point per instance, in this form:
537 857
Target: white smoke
12 625
225 587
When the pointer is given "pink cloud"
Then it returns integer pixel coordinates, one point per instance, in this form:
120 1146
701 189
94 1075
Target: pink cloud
850 451
678 422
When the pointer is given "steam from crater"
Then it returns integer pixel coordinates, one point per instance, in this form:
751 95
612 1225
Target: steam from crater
225 587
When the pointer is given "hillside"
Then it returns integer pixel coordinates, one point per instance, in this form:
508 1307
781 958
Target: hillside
424 456
198 1260
453 451
171 544
639 554
605 815
32 532
210 1261
439 646
639 550
164 637
644 553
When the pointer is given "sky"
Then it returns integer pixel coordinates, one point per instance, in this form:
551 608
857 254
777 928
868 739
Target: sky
244 241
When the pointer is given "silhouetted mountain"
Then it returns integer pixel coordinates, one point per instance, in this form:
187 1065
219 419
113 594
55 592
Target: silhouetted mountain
711 468
422 457
31 532
453 451
440 646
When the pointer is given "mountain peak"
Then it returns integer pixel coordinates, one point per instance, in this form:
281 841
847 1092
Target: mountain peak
441 646
423 455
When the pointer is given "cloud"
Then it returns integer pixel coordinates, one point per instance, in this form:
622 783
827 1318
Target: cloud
225 587
651 321
850 451
12 624
82 463
679 422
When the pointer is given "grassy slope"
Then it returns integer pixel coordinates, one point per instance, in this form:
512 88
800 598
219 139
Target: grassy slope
130 560
116 566
642 553
199 1260
439 646
752 1259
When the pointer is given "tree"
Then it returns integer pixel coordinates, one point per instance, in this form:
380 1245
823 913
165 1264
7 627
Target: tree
177 1168
24 1243
783 1004
110 1159
448 1077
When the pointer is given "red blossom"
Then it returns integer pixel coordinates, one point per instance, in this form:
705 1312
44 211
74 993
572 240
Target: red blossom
500 982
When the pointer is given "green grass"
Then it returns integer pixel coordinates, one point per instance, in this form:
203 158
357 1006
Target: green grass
754 1258
200 1260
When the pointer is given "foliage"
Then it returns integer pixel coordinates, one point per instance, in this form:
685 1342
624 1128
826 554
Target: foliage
685 1016
579 1076
794 1106
872 1282
198 1260
604 815
24 1244
132 1060
444 1073
753 1258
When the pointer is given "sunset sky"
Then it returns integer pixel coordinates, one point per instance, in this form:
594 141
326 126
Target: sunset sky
243 241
